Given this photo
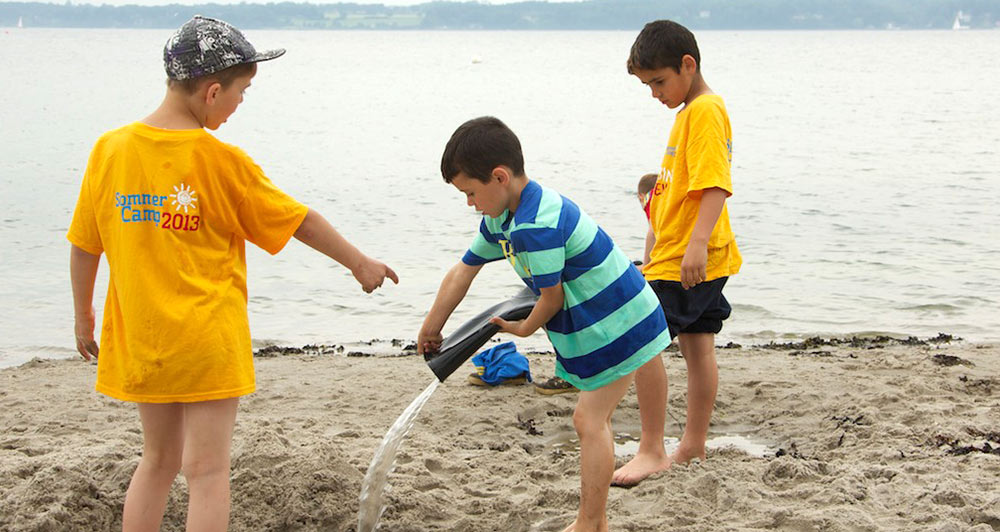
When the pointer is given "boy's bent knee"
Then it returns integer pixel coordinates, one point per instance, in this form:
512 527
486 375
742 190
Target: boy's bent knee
162 463
588 425
697 344
195 468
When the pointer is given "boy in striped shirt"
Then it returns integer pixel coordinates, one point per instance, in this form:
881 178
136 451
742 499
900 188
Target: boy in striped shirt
601 316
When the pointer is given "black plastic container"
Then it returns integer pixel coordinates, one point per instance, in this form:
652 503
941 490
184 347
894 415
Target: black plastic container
467 339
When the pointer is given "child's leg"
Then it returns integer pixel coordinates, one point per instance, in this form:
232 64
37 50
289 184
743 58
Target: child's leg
703 382
592 420
651 389
208 434
162 446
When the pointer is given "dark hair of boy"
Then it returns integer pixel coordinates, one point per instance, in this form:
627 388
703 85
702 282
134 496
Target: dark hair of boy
225 78
662 44
480 145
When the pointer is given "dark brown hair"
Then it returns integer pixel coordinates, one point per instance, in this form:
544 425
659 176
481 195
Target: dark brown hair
662 44
480 145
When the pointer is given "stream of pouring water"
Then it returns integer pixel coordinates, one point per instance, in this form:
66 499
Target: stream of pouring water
373 488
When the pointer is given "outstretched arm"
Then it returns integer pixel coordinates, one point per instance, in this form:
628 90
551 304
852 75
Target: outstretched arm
547 305
453 288
317 233
696 255
82 273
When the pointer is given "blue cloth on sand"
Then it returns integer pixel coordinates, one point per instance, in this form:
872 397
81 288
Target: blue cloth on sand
501 362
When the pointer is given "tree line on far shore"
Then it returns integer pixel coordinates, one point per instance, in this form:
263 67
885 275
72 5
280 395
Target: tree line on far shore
531 15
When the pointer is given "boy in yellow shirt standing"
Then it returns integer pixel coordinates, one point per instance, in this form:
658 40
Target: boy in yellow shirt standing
171 207
690 249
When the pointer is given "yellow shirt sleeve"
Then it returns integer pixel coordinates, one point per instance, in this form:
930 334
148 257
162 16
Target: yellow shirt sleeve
83 232
267 216
708 151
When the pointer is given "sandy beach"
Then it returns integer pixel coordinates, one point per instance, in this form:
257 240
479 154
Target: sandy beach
862 435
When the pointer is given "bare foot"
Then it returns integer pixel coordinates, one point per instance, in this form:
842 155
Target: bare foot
599 527
638 468
684 455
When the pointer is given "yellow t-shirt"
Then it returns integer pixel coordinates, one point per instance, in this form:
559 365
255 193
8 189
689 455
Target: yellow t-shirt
171 210
698 157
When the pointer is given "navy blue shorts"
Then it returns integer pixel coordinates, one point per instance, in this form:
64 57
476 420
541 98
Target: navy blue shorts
699 309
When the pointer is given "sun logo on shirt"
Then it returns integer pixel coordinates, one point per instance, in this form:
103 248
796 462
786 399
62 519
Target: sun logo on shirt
184 196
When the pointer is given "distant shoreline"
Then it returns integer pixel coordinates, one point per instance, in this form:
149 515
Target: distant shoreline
585 15
9 29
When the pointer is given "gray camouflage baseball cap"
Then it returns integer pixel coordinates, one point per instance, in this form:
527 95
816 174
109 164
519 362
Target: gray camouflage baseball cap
204 46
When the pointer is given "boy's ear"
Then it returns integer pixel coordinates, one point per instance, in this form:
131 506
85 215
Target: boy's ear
501 174
689 63
212 90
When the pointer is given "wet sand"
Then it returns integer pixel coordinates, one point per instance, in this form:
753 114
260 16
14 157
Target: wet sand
860 436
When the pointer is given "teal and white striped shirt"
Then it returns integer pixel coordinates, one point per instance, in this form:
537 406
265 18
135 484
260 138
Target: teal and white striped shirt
611 322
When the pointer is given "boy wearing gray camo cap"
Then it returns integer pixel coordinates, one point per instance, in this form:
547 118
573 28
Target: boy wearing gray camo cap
204 46
172 207
207 50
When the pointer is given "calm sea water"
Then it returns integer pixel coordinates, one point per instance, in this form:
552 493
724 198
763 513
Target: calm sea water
865 166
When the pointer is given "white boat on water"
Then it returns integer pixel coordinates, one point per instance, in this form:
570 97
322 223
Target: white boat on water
20 22
959 18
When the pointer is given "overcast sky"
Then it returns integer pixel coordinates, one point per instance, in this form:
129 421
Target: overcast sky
189 2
